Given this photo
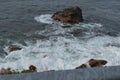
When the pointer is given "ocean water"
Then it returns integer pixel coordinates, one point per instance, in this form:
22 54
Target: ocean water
50 45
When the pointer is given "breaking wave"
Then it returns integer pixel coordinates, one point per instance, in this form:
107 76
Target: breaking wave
65 48
63 53
44 19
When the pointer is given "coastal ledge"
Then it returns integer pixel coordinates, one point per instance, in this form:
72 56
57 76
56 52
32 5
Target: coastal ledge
98 73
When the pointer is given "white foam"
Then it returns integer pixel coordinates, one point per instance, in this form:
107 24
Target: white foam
63 53
46 18
66 51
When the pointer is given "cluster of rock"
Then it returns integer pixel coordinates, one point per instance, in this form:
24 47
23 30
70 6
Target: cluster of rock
71 15
32 68
9 71
93 63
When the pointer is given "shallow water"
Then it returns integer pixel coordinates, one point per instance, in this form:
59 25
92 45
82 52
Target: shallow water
28 24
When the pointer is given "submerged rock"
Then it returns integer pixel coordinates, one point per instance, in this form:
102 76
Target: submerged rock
93 63
3 53
71 15
14 48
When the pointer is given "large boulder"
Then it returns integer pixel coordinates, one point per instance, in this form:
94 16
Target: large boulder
71 15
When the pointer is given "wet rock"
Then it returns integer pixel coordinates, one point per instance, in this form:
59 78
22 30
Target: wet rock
3 71
97 63
93 63
71 15
31 69
82 66
14 48
26 71
7 71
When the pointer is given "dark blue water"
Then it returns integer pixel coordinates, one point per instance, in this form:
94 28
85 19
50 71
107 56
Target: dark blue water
17 17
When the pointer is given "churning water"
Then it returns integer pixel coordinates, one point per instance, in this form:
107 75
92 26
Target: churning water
51 45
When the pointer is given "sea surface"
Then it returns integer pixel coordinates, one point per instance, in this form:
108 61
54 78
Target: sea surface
51 45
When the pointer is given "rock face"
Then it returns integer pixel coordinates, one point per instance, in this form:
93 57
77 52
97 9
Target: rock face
93 63
71 15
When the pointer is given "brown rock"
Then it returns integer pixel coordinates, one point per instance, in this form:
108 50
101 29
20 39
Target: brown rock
14 48
97 63
32 68
5 71
93 63
71 15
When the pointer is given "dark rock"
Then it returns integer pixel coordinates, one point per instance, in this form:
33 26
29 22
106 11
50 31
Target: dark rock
27 71
14 48
71 15
97 63
7 71
93 63
32 68
81 66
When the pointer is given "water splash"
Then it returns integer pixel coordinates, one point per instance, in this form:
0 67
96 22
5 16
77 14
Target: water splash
64 50
63 53
44 19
